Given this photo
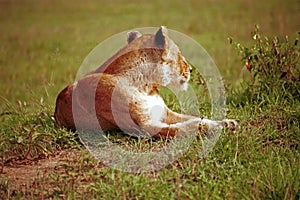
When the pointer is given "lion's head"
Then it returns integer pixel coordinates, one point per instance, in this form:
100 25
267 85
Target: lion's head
155 49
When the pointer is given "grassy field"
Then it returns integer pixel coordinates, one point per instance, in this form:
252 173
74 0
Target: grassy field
42 44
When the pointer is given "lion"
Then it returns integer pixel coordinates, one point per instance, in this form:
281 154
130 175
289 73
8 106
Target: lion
123 93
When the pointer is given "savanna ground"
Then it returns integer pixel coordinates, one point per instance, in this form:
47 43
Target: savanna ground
42 44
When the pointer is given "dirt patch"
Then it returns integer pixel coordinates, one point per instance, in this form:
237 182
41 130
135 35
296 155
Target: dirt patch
26 176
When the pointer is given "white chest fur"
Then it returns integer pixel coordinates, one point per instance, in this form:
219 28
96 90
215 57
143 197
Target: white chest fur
154 107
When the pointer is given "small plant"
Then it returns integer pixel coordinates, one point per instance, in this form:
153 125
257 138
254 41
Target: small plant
33 135
274 67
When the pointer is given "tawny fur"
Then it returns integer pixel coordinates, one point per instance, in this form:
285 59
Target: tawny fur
123 92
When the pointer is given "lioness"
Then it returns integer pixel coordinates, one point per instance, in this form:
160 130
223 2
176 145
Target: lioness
123 92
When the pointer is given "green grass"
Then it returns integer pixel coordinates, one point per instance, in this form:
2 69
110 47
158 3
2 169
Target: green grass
42 44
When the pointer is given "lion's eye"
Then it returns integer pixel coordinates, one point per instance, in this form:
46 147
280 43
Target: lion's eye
167 62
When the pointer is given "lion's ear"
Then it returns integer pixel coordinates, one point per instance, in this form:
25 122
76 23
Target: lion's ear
132 36
160 36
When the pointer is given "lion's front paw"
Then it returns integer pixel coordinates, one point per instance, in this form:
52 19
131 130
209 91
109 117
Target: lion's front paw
230 123
208 127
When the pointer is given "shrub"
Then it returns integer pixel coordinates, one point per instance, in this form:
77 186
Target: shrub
274 67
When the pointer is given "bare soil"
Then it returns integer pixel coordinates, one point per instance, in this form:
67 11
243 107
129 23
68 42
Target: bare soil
25 177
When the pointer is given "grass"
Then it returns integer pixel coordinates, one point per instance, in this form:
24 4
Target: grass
43 44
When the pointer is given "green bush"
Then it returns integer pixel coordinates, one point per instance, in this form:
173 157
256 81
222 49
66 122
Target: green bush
274 67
